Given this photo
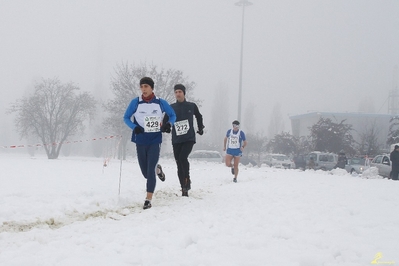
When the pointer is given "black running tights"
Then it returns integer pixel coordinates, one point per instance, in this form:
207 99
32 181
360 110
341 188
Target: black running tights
181 152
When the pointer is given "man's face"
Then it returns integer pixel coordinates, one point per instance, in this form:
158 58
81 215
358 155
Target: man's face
179 94
146 90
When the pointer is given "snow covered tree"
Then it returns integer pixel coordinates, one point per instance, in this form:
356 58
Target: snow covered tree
53 113
125 86
284 143
304 145
332 137
393 135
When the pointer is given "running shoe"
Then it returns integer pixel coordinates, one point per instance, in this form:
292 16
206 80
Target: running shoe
160 173
147 204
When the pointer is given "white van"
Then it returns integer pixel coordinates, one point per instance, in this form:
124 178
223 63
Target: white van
323 160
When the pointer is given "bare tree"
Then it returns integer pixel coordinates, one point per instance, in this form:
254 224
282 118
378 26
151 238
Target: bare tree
257 146
369 144
125 86
53 113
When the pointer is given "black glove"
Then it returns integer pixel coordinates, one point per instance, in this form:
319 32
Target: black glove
137 130
201 131
167 127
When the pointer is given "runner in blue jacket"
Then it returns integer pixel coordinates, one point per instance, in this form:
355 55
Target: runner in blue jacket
147 112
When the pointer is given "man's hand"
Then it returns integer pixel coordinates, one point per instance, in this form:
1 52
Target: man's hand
167 127
137 130
201 131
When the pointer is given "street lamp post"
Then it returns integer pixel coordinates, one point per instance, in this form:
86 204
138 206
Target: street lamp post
243 3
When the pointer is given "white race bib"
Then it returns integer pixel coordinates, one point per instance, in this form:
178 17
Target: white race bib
182 127
234 142
152 124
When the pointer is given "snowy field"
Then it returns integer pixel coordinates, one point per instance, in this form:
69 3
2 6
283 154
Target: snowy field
69 212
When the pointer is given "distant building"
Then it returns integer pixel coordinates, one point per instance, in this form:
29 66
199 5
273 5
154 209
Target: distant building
361 123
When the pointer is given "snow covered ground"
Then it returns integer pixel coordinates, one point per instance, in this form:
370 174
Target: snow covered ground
69 212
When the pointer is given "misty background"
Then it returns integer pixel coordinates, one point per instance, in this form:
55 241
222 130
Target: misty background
299 56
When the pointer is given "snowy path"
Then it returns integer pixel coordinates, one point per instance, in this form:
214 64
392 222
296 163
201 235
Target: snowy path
68 212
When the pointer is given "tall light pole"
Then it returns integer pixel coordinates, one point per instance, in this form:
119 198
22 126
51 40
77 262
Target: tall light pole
243 3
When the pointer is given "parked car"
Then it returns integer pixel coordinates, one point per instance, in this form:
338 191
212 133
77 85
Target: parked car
323 160
383 163
206 155
279 161
357 165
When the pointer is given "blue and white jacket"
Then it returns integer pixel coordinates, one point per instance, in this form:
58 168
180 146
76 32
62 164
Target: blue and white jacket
142 112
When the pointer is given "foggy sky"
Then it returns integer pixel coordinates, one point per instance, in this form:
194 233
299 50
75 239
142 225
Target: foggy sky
304 55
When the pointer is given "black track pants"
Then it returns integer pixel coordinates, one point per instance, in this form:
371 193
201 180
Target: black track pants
181 152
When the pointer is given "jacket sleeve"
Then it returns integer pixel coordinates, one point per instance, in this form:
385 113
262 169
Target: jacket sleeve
131 109
198 116
169 111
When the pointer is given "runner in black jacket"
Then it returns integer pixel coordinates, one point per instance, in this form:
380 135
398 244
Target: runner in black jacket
183 135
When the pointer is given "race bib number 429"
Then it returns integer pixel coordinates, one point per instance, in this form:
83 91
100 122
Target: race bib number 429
152 124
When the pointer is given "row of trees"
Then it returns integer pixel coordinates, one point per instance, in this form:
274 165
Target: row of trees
55 112
325 135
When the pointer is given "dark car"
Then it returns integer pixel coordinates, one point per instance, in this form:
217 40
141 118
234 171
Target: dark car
300 161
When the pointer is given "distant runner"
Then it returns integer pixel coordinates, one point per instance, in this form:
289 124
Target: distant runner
235 142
